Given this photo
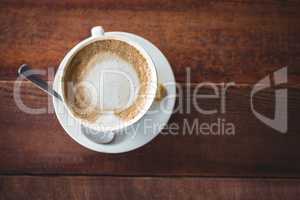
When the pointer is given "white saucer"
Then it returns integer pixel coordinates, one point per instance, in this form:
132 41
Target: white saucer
141 132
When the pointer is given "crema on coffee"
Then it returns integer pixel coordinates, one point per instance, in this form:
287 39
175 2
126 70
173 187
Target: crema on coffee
107 82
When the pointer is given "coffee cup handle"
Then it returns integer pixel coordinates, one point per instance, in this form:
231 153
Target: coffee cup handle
97 31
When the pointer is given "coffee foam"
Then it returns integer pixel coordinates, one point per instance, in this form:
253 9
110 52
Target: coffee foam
109 78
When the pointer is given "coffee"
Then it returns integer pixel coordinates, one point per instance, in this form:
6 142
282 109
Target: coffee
107 82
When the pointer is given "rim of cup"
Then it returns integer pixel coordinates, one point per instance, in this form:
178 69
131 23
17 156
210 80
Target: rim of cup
153 80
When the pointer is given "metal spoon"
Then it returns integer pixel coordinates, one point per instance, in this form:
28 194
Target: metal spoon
25 71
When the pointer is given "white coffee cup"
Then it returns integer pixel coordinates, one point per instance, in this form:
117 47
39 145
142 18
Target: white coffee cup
97 33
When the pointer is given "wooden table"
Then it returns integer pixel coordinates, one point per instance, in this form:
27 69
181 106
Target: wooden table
221 41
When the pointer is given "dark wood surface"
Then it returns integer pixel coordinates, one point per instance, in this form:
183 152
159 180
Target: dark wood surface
221 41
82 187
35 144
236 41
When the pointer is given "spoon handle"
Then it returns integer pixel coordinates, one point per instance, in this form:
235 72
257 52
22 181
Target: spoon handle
25 71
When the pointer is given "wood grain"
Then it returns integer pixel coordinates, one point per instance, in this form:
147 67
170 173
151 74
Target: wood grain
36 144
219 40
82 187
144 4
